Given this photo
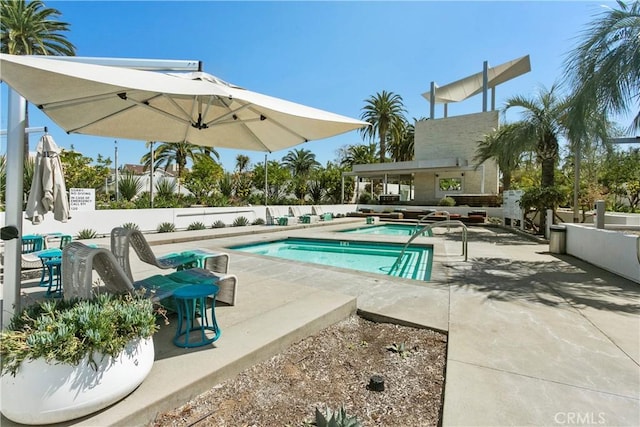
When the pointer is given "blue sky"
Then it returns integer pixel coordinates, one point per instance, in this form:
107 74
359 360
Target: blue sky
328 55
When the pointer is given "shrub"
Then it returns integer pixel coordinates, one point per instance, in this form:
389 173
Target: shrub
447 201
166 227
258 221
494 220
130 226
86 233
366 199
218 224
196 226
240 221
122 204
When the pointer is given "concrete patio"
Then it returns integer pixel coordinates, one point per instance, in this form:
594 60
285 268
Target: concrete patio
534 338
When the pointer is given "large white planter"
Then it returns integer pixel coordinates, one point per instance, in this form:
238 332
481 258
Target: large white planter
43 393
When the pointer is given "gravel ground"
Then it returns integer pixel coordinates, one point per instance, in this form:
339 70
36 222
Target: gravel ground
330 370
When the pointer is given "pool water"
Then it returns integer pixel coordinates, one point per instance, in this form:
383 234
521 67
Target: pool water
362 256
388 230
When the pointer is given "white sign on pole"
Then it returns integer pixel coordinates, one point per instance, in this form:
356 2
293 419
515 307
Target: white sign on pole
82 199
511 209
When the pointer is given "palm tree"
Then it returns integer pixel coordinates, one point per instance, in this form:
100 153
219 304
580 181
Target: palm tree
358 154
32 29
242 163
505 147
168 153
604 69
300 161
401 148
384 111
542 125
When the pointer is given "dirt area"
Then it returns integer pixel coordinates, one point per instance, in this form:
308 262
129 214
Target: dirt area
328 370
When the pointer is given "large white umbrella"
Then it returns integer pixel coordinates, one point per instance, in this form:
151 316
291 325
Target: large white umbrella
48 191
149 106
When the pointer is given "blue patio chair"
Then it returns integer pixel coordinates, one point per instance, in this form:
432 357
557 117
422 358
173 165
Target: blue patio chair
32 243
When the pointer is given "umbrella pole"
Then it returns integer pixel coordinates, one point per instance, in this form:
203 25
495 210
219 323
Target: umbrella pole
13 204
266 183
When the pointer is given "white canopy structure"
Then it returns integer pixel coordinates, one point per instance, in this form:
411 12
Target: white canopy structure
477 83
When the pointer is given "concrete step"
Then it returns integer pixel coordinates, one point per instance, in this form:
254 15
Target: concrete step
178 374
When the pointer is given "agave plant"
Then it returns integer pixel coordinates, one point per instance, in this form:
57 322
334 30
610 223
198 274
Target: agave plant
86 233
197 225
338 418
240 221
258 221
166 227
400 349
218 224
130 226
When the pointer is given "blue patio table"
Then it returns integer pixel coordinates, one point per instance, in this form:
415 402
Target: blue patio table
45 256
206 259
191 300
55 280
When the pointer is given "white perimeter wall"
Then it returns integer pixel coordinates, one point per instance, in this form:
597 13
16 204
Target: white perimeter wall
611 250
102 221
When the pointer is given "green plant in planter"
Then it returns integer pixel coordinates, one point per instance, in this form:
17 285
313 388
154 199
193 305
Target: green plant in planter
218 224
65 331
258 221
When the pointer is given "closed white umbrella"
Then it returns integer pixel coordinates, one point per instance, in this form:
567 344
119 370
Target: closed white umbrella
151 106
48 191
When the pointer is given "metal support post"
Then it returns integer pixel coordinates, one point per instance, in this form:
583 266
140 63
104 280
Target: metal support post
600 212
432 101
151 174
13 204
485 85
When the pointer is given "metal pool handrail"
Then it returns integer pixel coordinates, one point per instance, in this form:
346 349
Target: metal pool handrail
432 214
428 227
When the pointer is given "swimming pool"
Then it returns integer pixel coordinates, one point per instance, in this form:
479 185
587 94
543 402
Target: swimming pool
362 256
388 230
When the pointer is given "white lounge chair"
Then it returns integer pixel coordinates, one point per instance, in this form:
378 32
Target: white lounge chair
319 210
216 263
303 218
80 261
279 215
